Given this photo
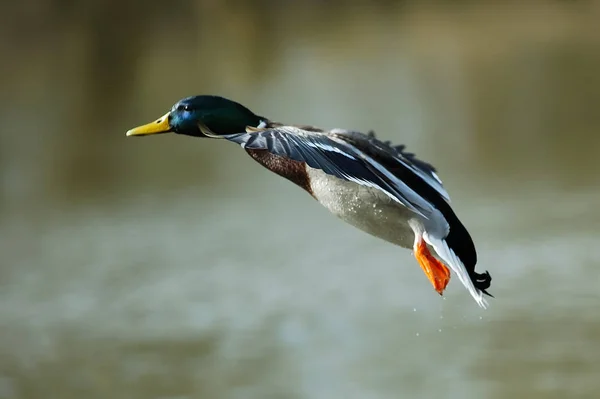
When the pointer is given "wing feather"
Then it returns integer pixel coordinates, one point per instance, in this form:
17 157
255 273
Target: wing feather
335 157
425 171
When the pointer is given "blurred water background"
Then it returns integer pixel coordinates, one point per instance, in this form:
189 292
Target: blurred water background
173 267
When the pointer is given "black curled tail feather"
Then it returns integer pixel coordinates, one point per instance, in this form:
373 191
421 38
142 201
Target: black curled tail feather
459 240
482 281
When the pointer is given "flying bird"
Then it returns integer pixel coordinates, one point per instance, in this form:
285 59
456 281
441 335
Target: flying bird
373 185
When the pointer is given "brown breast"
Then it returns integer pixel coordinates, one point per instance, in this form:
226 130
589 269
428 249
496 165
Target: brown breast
294 171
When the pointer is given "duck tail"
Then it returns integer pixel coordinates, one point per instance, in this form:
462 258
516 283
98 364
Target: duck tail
476 285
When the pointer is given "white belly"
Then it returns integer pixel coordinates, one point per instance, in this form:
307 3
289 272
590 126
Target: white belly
363 207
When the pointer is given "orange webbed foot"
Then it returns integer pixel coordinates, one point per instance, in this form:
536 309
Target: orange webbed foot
437 273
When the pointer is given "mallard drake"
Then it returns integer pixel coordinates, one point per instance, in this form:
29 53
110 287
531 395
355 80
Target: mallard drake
373 185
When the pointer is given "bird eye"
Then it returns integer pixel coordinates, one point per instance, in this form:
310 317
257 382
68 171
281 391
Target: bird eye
182 107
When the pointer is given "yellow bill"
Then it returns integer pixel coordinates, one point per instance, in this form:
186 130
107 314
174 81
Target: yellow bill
161 125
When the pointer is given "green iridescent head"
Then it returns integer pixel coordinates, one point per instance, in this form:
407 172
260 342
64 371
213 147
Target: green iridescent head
201 116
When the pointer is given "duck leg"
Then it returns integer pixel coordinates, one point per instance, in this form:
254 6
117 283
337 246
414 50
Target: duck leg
437 273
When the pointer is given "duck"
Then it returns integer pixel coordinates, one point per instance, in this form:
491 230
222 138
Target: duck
373 185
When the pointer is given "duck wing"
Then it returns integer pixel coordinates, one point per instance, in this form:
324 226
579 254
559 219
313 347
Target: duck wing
343 156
